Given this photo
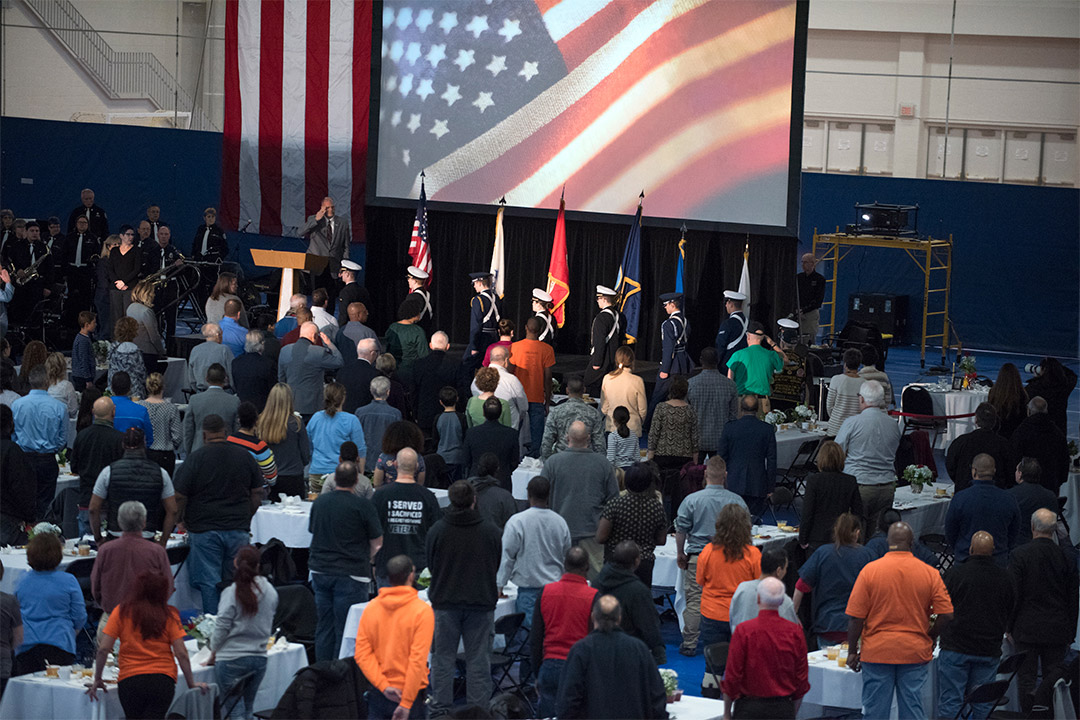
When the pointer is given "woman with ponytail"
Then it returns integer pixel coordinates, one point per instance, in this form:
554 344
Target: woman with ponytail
244 625
621 387
150 636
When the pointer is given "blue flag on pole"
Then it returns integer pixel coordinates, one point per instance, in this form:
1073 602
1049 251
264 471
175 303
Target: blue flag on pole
679 268
629 283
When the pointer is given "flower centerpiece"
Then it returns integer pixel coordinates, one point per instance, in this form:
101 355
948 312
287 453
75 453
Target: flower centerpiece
967 367
776 418
917 476
671 684
101 353
201 628
804 415
44 527
424 579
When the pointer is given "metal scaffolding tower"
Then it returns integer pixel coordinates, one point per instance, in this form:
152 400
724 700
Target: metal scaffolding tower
933 257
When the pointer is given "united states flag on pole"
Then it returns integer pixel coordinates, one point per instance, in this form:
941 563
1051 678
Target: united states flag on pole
419 250
520 98
297 81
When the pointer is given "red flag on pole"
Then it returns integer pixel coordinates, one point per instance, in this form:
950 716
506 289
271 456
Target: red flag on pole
558 284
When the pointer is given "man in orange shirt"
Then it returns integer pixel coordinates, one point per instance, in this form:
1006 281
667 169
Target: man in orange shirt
393 643
890 609
532 361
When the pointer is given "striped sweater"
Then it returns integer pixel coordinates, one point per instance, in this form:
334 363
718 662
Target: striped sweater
262 453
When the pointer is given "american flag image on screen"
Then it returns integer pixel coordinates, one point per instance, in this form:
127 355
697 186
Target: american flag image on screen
690 99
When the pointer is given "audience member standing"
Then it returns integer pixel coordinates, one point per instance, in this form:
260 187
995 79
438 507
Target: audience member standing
165 420
984 439
828 576
345 536
843 397
560 618
983 601
122 270
95 448
405 339
870 372
889 610
830 492
532 360
1030 495
494 437
303 365
694 528
639 616
534 544
128 412
1044 578
1054 383
635 515
1040 438
253 374
41 431
608 673
748 447
375 417
744 603
731 558
18 486
582 481
754 367
571 410
284 433
463 553
247 417
357 376
327 429
621 387
766 672
1009 399
211 401
878 544
407 511
353 331
218 489
484 385
207 353
869 440
673 439
983 506
134 477
509 388
392 645
492 501
713 397
430 375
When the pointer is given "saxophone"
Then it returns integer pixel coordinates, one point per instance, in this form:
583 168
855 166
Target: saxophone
29 274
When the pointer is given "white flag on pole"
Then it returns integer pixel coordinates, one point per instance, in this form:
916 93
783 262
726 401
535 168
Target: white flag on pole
498 255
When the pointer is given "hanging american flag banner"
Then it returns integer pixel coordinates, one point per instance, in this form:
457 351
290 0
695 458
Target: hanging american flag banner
691 98
297 81
419 250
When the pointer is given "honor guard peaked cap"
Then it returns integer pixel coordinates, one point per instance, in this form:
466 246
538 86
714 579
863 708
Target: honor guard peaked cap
541 295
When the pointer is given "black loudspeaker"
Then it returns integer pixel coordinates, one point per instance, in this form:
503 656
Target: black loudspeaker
887 313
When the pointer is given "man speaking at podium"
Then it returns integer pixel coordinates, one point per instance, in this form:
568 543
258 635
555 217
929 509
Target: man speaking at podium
328 236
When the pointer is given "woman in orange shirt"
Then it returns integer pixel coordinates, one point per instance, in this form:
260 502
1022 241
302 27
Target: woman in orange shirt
150 637
731 558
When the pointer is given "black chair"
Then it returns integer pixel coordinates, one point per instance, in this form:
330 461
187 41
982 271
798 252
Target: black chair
917 400
801 466
935 542
502 662
296 616
992 692
781 497
232 696
178 555
64 512
1061 514
81 569
715 662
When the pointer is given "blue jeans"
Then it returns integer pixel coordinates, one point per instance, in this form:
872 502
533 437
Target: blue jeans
537 417
210 562
525 603
227 672
476 628
84 523
714 631
881 679
547 686
334 595
379 708
958 674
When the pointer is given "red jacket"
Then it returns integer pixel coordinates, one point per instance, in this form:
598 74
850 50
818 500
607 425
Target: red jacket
561 617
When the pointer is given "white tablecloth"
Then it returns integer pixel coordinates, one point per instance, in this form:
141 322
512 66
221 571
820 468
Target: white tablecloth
16 566
953 402
691 707
504 606
925 511
289 524
38 698
66 480
834 686
175 379
1071 491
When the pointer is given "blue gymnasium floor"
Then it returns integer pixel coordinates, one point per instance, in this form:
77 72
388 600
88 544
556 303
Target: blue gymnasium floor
903 368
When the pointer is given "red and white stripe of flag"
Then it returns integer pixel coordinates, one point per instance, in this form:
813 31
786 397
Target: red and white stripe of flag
297 77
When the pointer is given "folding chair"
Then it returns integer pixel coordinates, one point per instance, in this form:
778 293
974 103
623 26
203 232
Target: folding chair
801 466
935 542
177 557
991 692
918 400
715 662
232 696
781 497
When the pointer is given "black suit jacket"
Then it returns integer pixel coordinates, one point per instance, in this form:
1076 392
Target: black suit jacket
252 377
1040 438
356 376
980 440
748 446
428 376
493 437
828 496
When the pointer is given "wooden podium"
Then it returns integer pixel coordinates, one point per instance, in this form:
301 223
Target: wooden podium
289 263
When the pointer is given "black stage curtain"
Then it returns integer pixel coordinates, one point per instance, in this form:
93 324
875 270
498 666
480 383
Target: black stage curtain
462 243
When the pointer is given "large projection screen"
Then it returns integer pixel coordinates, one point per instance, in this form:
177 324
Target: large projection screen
691 101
